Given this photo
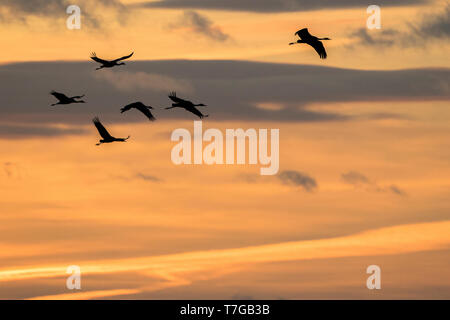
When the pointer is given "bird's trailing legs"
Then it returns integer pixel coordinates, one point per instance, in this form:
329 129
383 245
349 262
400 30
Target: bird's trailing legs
116 139
77 97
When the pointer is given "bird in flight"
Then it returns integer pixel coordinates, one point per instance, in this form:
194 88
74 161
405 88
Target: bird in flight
186 104
107 138
306 37
63 99
141 107
109 63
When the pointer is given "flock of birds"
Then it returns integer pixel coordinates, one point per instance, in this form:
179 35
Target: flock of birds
303 34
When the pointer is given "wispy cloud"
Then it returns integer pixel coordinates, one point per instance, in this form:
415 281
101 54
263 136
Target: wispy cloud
385 37
7 168
88 294
92 11
355 178
394 240
359 180
147 177
26 131
192 21
432 27
397 190
296 178
435 26
138 176
13 170
287 177
135 81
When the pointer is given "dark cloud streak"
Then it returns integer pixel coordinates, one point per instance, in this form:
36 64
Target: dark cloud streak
266 6
298 179
147 177
231 89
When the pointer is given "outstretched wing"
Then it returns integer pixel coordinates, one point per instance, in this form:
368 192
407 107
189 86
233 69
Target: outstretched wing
59 96
195 111
124 57
101 129
128 107
146 111
320 49
174 98
141 107
303 33
97 59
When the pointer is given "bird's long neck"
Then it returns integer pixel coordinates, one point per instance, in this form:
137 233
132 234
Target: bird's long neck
324 39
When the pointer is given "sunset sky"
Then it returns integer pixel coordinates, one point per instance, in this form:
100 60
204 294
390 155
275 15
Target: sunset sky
364 173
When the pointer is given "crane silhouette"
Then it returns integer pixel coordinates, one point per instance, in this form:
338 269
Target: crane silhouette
63 99
306 37
107 138
186 104
141 107
109 63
